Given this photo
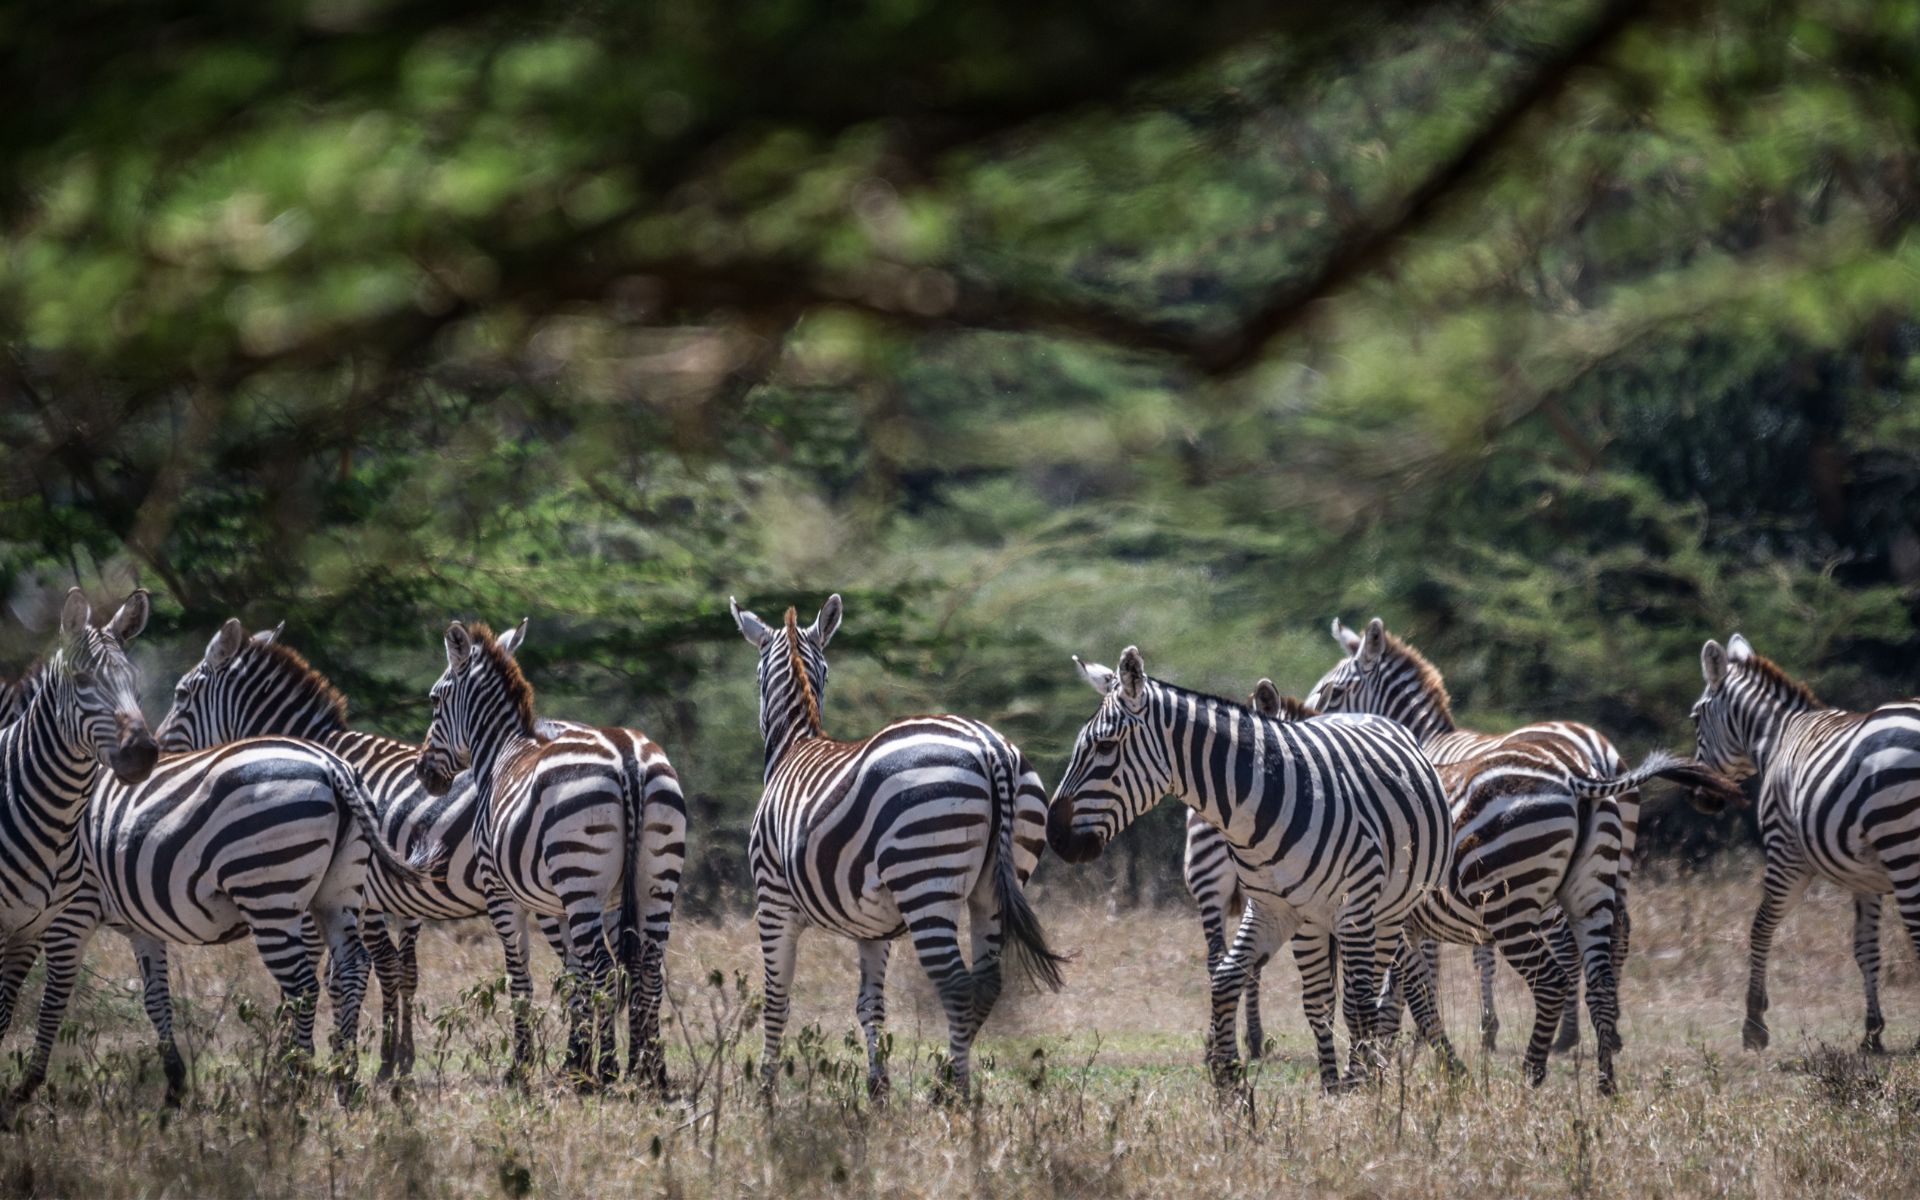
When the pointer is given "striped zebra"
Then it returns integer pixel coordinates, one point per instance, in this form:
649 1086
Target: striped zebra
253 838
1337 828
1211 879
571 822
79 711
13 699
906 831
1839 800
255 686
1534 827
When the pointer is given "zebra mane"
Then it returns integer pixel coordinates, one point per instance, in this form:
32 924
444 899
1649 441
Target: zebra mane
310 682
1774 678
1431 682
1293 708
797 665
518 690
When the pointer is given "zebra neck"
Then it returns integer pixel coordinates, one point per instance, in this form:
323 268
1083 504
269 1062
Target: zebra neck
51 760
1209 747
1772 724
789 725
489 742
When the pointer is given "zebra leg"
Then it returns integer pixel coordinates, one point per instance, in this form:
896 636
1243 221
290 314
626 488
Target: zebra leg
934 929
510 926
1415 973
16 959
409 987
596 985
779 938
152 956
346 990
1483 961
1263 930
1256 1037
1357 935
386 968
1313 954
65 945
1783 885
871 1008
985 934
1566 949
283 947
1866 953
1590 910
1526 950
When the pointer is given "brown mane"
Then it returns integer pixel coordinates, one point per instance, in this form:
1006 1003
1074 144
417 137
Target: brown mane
311 680
1293 708
1776 677
519 691
1431 680
798 665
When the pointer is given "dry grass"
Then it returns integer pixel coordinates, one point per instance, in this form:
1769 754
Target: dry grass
1096 1092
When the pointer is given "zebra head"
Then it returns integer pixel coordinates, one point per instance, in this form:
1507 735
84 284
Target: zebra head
1119 768
792 674
478 702
217 700
1743 694
1385 676
97 688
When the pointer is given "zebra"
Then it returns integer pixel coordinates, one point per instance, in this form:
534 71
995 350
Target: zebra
901 832
78 711
13 699
1336 826
1532 827
252 686
1839 800
253 838
570 821
1207 869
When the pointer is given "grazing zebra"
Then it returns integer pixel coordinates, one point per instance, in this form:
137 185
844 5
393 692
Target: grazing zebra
1211 880
1839 799
253 686
901 832
253 838
1532 827
1337 828
80 710
571 822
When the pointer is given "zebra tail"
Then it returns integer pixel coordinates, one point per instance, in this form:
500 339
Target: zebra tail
1037 959
631 948
428 861
1703 781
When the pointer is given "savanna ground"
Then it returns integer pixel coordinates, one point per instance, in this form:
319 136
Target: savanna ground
1097 1091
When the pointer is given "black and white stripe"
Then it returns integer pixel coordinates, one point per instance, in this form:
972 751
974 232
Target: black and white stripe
903 832
253 686
1532 826
1839 800
78 711
572 822
1337 827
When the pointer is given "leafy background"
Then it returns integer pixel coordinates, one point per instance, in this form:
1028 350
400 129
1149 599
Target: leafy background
1561 335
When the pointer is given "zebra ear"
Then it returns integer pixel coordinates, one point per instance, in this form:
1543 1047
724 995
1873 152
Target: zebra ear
267 637
1713 663
1133 675
1348 639
1099 678
1266 698
131 617
1738 650
511 639
828 620
459 646
751 627
75 615
1373 644
225 644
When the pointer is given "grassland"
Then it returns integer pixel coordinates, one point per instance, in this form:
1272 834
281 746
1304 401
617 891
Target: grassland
1094 1092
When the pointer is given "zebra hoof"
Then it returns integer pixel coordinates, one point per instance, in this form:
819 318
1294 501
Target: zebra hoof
1754 1035
1536 1073
1872 1044
1488 1037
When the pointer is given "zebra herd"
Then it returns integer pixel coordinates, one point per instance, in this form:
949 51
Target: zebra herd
1360 826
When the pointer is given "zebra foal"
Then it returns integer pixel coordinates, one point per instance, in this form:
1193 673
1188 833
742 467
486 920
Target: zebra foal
1839 800
902 832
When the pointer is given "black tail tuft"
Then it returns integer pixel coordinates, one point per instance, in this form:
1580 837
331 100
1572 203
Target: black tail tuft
1040 961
